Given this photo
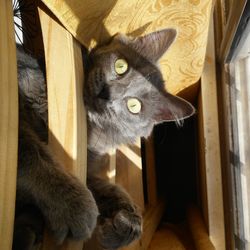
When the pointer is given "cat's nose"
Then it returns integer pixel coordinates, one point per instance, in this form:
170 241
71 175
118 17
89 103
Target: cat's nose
104 92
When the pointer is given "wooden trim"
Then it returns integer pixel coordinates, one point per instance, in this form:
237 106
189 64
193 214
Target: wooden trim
129 171
213 209
224 121
67 123
230 18
8 124
150 171
220 23
236 10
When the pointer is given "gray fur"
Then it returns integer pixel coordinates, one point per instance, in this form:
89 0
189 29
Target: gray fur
110 122
68 208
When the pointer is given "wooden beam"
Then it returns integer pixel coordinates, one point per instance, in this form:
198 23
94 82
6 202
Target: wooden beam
224 110
67 122
129 171
8 124
210 160
150 171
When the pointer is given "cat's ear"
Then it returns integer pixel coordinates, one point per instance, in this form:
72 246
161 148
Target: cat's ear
172 108
154 45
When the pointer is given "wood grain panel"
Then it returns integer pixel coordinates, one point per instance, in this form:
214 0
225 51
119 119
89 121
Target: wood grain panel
67 123
8 124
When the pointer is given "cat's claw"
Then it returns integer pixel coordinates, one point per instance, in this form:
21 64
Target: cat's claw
121 230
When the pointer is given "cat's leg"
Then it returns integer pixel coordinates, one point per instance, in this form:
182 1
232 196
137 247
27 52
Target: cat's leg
120 221
67 206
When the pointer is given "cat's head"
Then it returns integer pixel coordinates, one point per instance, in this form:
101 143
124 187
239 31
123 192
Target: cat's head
124 85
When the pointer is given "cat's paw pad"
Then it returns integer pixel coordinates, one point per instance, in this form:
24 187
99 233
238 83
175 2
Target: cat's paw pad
75 217
121 230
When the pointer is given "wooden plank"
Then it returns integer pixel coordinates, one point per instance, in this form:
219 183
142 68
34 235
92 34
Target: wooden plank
8 124
198 230
67 123
172 237
129 171
210 149
150 171
221 11
202 192
224 120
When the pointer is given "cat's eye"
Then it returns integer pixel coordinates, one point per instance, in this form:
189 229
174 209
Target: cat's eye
121 66
134 105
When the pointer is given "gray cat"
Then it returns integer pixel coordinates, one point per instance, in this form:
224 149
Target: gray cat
125 97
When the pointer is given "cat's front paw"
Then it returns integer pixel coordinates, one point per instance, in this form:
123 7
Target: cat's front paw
120 230
73 215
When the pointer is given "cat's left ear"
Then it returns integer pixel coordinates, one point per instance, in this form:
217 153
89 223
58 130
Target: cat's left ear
172 108
154 45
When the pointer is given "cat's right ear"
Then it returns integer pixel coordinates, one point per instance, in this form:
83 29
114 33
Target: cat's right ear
172 108
154 45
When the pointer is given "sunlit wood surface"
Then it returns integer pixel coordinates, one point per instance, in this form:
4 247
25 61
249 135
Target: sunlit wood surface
67 122
8 124
209 150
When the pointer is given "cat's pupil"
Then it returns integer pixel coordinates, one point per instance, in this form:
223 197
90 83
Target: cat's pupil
121 66
134 105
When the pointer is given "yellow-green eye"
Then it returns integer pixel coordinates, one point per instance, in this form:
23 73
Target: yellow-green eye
134 105
121 66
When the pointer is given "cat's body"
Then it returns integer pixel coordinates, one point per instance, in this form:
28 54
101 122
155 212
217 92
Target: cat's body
124 97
